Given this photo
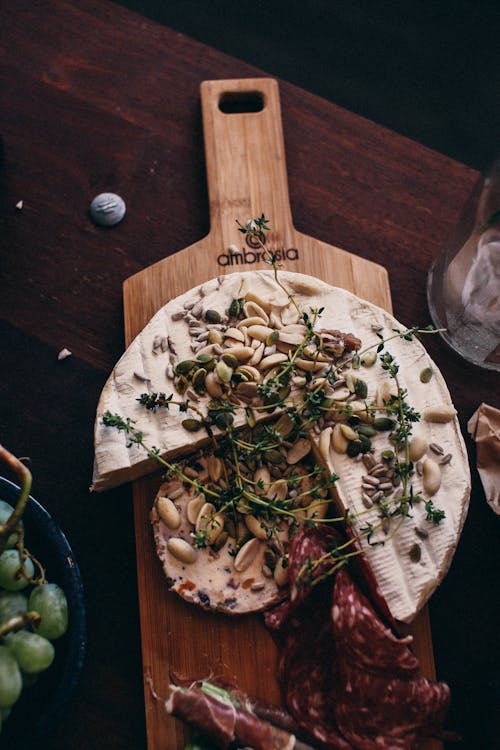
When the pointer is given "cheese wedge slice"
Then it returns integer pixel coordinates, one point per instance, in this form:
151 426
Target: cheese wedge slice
408 555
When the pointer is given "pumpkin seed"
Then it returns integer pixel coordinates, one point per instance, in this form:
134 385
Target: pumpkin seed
366 430
235 308
272 338
274 457
192 425
426 374
251 372
229 359
198 380
224 371
212 316
368 359
383 424
361 388
185 367
205 359
354 447
181 383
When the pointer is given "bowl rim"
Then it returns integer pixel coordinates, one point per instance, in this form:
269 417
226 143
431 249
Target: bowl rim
72 584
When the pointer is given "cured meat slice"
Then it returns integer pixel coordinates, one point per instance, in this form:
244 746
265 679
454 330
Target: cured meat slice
374 712
224 723
212 717
351 683
309 670
309 545
380 699
363 639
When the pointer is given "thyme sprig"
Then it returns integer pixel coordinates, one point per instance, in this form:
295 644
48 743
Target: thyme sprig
257 444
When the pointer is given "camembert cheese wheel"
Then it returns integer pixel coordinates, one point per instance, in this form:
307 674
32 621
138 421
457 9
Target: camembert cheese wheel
364 402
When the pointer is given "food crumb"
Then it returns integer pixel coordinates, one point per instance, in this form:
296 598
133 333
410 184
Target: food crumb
64 354
19 205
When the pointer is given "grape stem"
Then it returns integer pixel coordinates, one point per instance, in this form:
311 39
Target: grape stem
18 622
25 479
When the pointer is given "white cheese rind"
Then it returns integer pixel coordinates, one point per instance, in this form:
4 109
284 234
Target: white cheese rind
405 584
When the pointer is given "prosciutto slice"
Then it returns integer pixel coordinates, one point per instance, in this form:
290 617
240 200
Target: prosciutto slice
226 724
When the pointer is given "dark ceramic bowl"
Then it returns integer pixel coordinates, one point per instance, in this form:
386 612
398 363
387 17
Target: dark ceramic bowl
41 706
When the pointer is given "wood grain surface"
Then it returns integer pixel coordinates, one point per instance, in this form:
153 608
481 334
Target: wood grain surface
246 172
97 98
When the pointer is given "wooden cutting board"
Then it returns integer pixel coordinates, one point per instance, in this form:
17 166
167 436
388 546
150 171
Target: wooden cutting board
246 172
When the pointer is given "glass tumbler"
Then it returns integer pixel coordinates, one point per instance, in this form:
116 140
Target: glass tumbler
463 287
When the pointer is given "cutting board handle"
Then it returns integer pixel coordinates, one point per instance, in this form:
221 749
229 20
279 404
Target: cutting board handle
245 158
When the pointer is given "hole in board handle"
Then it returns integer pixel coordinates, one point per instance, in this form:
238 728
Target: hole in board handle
241 102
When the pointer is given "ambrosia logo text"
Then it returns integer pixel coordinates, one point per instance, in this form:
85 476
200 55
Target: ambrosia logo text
247 257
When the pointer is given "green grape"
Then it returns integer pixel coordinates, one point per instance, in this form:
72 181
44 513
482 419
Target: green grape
11 682
49 601
11 577
33 652
12 603
6 511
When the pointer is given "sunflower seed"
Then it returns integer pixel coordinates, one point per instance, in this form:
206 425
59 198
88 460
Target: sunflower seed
446 459
421 532
435 448
367 501
370 480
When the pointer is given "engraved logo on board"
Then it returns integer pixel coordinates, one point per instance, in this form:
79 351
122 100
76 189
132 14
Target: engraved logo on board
255 253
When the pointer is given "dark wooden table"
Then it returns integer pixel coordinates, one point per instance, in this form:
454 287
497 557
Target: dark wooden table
98 99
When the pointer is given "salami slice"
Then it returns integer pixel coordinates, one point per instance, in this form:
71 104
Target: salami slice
376 712
309 670
309 545
380 699
350 683
363 639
